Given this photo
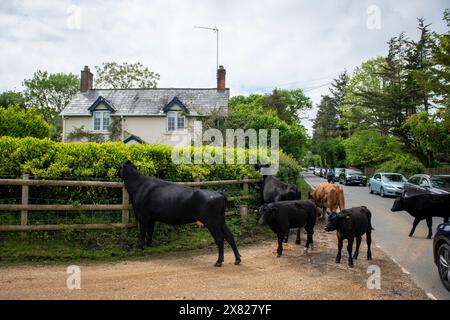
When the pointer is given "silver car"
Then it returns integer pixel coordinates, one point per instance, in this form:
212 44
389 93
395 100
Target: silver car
387 184
424 183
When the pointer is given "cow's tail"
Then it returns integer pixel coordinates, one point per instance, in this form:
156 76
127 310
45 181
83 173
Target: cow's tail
225 199
369 217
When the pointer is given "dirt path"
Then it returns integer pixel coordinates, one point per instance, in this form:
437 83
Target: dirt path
261 276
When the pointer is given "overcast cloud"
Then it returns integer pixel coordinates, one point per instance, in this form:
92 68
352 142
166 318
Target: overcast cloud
263 44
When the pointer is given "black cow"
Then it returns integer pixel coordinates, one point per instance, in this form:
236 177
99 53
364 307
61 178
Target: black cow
350 224
424 207
274 190
283 215
158 200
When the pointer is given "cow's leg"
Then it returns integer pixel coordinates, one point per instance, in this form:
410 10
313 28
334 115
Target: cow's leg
430 226
298 240
142 233
218 236
446 219
340 245
358 243
369 242
286 237
150 229
230 239
309 239
349 250
415 223
280 245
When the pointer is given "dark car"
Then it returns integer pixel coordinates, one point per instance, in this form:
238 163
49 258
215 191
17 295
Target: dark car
441 250
424 183
337 173
352 176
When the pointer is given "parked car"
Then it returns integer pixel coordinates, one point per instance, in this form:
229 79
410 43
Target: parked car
337 172
387 184
352 176
441 250
424 183
311 169
323 173
317 171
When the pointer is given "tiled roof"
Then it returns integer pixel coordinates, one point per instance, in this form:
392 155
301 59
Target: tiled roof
139 102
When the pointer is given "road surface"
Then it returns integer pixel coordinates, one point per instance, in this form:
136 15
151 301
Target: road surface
414 254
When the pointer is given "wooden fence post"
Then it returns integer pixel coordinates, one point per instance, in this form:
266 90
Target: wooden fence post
24 213
125 203
244 209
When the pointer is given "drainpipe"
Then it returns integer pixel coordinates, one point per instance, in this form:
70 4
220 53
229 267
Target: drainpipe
123 127
63 129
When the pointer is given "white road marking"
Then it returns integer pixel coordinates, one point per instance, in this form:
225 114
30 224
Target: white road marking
403 269
431 296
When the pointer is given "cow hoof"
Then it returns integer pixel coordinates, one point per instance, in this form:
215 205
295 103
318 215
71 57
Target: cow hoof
278 255
429 237
410 235
369 258
305 250
338 261
355 257
237 262
297 241
218 264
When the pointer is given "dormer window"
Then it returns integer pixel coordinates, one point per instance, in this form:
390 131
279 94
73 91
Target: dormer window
175 111
175 120
101 120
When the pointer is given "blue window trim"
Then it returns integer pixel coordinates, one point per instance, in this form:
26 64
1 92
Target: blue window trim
100 100
174 101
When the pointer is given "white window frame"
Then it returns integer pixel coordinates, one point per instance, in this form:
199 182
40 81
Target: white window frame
101 115
177 115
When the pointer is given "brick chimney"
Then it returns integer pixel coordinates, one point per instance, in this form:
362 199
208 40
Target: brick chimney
87 79
221 79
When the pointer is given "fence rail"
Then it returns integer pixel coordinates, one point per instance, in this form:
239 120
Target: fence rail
125 206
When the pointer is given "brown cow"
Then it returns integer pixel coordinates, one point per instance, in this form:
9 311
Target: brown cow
328 196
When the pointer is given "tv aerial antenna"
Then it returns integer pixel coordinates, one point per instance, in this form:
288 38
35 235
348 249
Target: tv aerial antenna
216 31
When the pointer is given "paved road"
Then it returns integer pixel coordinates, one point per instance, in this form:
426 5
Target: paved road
414 254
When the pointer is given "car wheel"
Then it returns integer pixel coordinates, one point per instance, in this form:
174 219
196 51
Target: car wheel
382 192
370 189
340 181
443 263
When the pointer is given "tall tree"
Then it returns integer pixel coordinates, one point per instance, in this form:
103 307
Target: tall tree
126 75
12 98
50 93
288 104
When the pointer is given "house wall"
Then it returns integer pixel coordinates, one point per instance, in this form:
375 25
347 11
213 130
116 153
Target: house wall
151 129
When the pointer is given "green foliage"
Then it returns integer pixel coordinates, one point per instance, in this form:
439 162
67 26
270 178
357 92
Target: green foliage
251 113
430 135
288 104
124 76
50 93
370 148
12 98
402 163
18 122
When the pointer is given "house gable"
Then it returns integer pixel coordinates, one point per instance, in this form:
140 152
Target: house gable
101 104
175 105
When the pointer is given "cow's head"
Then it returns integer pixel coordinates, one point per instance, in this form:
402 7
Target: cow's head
398 204
265 214
125 167
334 219
258 166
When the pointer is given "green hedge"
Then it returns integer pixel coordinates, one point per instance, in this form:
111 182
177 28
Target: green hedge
18 122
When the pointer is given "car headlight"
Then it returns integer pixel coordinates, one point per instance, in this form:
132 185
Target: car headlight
388 186
348 176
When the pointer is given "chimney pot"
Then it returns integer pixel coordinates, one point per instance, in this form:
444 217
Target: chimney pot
87 79
221 79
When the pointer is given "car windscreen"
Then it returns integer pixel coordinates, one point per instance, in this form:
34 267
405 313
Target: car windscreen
441 182
350 171
393 178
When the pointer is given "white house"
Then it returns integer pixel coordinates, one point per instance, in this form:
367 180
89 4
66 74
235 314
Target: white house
153 115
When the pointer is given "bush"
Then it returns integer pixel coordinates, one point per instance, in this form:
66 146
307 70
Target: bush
404 164
18 122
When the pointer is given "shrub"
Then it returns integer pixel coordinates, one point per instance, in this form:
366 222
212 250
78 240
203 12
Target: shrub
404 164
18 122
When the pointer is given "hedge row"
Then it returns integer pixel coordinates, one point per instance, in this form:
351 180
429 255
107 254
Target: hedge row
86 161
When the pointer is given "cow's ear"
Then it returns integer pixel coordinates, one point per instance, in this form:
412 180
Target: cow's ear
342 215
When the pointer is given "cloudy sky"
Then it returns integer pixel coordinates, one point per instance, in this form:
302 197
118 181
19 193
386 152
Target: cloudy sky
263 43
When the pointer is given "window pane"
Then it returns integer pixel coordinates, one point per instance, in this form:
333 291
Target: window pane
180 121
96 120
171 123
105 121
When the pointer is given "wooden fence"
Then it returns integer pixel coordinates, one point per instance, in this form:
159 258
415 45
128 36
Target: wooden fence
125 206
